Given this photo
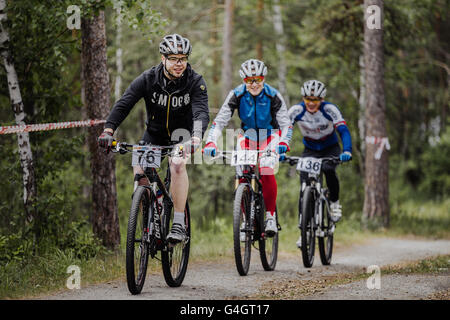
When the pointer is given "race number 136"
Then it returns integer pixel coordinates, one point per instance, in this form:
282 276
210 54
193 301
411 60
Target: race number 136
309 164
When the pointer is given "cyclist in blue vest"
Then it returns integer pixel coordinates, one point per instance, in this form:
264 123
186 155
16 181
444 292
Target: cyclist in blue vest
318 121
265 123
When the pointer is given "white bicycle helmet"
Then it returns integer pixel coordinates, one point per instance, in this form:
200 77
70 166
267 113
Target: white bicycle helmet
314 88
252 68
175 44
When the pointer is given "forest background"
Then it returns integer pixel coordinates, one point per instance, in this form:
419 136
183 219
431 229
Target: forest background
317 40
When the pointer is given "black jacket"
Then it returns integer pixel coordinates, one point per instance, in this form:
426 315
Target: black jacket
170 105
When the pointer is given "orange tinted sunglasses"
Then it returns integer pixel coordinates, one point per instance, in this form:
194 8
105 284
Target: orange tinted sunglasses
257 79
311 100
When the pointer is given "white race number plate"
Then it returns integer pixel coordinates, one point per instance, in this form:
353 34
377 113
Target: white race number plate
309 164
244 157
146 156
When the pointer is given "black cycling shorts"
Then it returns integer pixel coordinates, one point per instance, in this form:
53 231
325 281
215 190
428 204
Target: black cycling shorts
331 151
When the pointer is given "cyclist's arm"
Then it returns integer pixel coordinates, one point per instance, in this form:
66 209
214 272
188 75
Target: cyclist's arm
283 120
124 105
340 125
223 117
295 113
200 109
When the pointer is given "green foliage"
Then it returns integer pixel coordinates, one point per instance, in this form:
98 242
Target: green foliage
435 163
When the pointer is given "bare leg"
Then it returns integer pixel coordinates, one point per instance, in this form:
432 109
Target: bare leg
179 184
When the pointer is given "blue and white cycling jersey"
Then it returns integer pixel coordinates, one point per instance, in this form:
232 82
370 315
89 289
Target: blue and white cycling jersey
265 114
319 128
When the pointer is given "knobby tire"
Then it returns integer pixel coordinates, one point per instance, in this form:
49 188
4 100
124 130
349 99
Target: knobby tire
175 258
307 231
268 246
137 251
241 213
326 242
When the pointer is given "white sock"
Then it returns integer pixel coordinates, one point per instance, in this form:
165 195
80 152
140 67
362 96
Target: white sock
178 217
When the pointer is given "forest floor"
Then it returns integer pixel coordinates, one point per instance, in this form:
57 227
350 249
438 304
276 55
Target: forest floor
404 275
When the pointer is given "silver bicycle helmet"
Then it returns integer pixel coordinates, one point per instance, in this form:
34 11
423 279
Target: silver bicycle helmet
314 88
175 44
251 68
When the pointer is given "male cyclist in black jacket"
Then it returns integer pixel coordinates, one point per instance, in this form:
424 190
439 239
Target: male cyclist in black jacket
176 101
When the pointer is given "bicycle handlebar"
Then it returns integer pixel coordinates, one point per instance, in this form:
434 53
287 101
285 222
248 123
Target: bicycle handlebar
294 160
123 147
223 154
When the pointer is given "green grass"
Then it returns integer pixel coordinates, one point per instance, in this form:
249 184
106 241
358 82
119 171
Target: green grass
427 219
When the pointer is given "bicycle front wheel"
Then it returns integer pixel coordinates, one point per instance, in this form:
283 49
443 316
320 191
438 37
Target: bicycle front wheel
242 228
268 246
137 247
175 257
326 242
307 231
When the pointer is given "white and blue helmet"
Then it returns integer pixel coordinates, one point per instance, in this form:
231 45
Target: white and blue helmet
314 88
252 68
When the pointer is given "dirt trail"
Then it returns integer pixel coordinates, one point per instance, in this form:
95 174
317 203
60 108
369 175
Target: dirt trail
221 280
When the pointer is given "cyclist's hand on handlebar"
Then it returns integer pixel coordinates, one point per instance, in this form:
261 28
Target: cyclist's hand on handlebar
210 149
192 145
282 148
345 156
105 140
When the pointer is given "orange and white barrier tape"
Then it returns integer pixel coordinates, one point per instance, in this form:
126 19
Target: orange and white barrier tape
49 126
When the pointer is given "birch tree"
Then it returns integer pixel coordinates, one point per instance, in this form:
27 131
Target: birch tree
25 153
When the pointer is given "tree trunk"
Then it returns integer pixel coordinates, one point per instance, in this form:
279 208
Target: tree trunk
376 200
281 48
97 98
361 119
259 22
227 78
119 65
213 42
25 153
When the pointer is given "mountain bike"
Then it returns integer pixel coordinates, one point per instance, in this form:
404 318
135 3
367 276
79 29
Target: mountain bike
249 210
150 219
314 210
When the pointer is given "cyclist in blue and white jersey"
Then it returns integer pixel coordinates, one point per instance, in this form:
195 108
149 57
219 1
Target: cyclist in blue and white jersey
318 121
264 118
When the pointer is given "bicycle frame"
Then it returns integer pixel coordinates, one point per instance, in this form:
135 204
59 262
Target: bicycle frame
252 177
155 184
315 181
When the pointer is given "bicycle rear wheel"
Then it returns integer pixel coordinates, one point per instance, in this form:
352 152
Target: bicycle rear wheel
326 242
175 257
137 247
268 246
307 231
242 226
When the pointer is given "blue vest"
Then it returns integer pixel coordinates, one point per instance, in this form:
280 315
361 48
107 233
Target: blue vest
255 112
